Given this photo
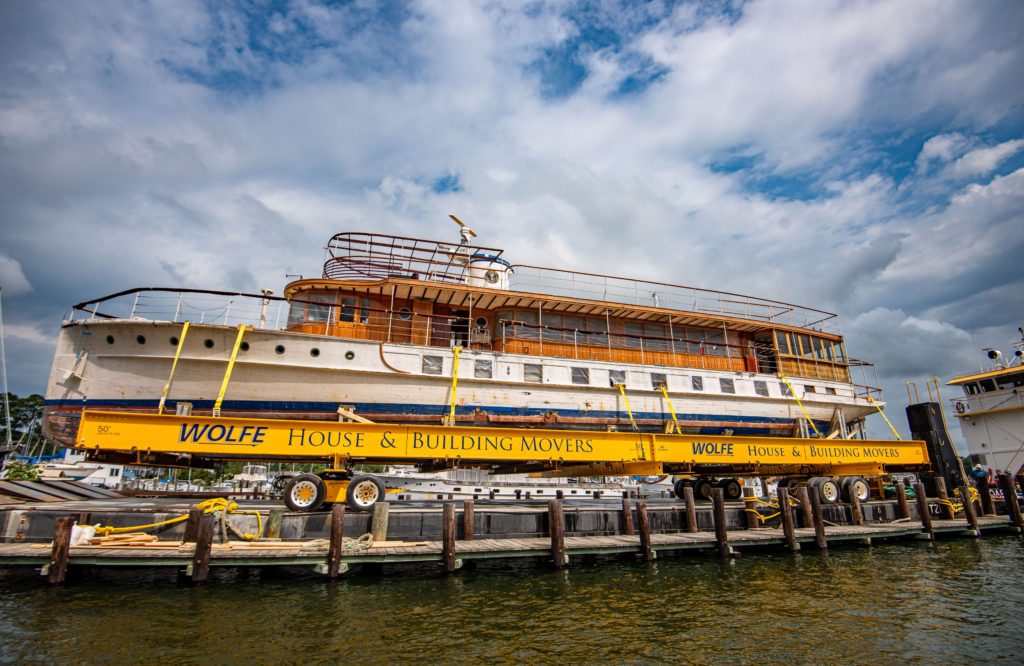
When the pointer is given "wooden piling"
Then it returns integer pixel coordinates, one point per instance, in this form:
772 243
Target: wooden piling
467 520
819 521
337 540
922 510
988 507
805 506
646 552
559 494
1010 498
192 526
786 512
274 522
750 508
901 499
556 530
969 513
204 546
691 509
718 514
490 494
379 524
855 512
945 506
627 517
61 548
448 537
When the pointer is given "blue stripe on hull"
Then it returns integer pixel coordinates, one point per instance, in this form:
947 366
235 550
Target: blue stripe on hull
756 423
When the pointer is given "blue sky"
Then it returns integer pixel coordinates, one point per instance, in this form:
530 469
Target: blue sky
861 157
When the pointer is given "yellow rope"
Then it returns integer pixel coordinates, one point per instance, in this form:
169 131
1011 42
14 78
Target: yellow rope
209 506
760 516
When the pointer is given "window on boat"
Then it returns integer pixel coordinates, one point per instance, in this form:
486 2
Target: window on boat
576 328
819 348
808 388
659 381
697 382
581 375
782 341
761 387
404 314
506 318
598 331
970 389
727 385
1010 381
634 334
784 388
533 372
364 316
482 369
617 377
714 343
829 390
432 365
805 345
987 385
552 327
348 310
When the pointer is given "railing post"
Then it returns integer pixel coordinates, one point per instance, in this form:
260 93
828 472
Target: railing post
135 304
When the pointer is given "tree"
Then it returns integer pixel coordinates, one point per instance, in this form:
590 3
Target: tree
20 470
26 420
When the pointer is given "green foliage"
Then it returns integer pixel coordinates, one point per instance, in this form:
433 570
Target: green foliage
26 420
21 471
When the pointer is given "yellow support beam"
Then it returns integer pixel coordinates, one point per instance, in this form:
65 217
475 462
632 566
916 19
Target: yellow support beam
279 439
455 384
177 353
675 419
227 373
792 392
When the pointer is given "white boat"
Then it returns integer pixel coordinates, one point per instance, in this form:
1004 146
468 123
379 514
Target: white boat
404 330
991 411
405 483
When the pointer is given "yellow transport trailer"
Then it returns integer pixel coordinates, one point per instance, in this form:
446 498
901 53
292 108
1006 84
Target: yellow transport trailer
830 466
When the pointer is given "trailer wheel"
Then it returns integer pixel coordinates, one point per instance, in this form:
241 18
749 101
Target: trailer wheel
731 488
680 487
785 486
305 492
363 492
856 485
827 489
702 489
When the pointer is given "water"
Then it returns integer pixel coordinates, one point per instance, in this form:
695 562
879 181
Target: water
908 602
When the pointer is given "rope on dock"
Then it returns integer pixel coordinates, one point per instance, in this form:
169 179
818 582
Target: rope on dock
217 504
760 516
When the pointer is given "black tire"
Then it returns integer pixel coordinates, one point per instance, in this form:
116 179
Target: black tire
282 481
856 485
363 492
785 485
731 488
305 492
828 490
702 489
680 487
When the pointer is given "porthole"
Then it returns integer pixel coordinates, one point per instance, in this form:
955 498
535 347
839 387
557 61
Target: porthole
110 339
208 343
244 346
404 313
349 355
481 322
314 352
279 349
141 339
174 340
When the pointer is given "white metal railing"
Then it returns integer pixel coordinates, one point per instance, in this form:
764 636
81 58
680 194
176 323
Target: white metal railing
554 282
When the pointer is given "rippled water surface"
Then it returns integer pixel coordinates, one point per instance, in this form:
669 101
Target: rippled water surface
958 600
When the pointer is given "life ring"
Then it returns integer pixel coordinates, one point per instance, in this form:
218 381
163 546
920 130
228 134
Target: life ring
960 409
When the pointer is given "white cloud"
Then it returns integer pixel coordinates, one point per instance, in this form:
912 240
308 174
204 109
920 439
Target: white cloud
12 277
982 161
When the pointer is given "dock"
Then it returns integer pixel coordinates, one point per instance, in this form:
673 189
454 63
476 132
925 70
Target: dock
472 533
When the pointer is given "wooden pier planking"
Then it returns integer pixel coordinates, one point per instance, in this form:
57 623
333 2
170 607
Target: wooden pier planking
315 554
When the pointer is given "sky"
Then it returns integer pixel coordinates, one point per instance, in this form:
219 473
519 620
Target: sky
860 157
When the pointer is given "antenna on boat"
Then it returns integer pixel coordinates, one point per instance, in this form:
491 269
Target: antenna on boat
3 365
464 230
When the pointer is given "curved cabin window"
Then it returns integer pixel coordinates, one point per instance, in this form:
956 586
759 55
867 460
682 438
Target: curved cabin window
505 319
316 310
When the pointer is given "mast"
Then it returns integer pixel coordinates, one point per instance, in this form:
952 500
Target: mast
3 369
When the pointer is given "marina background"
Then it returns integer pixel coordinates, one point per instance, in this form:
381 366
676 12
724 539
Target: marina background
864 158
955 600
